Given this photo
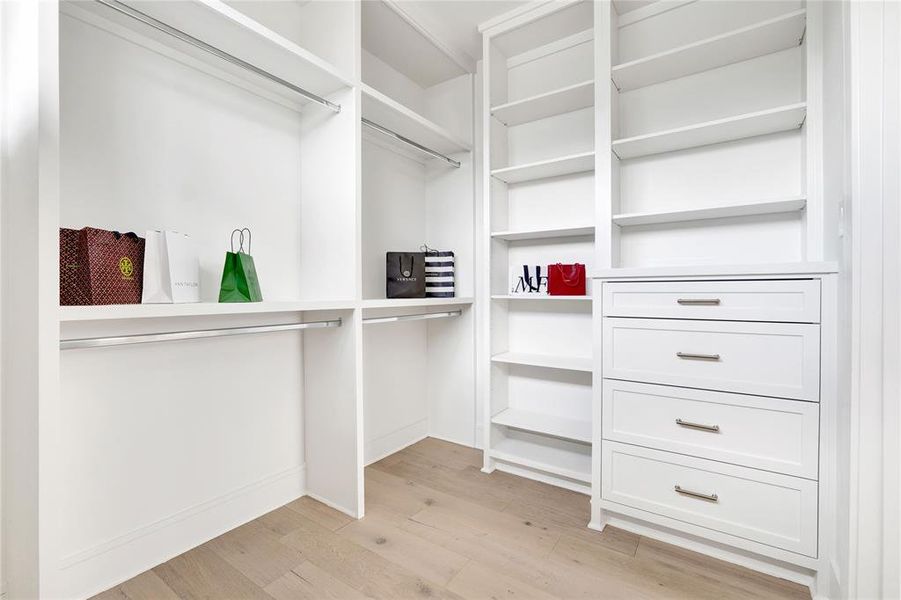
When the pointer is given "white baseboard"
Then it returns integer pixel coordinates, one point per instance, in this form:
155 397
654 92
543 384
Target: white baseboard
575 486
103 566
395 441
736 556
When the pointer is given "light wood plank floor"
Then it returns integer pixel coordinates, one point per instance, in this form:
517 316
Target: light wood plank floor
437 527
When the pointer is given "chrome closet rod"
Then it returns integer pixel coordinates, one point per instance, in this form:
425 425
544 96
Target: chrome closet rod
145 338
189 39
423 316
409 142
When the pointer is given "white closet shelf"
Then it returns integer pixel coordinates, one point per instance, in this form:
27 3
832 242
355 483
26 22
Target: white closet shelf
556 102
555 167
199 309
539 298
563 427
384 111
542 234
550 361
762 122
218 24
413 302
747 209
765 37
564 463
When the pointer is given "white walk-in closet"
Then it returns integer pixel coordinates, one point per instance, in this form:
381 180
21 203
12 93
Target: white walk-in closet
650 348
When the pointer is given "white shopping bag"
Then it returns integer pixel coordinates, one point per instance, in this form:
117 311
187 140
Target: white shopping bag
171 268
526 280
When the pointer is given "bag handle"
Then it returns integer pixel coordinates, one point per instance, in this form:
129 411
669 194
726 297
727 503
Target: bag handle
240 233
573 279
400 265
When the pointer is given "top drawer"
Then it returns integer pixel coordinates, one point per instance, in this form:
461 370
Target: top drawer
787 301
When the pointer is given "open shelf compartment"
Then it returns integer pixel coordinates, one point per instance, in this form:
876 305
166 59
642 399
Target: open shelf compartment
765 37
548 361
571 429
555 167
746 209
556 102
783 118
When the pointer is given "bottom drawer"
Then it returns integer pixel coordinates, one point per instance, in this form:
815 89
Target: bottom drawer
776 510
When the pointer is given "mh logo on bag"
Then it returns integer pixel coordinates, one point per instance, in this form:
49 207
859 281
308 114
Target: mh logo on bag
126 267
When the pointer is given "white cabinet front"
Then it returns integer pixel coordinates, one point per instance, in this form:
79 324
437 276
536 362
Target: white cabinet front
765 359
763 433
776 510
790 301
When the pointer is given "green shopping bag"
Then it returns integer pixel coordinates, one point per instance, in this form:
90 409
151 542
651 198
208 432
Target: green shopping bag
239 275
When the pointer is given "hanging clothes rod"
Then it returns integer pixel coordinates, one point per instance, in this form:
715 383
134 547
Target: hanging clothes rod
146 338
189 39
409 142
438 315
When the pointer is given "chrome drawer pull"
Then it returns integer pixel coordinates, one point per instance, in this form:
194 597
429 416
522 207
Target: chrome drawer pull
698 495
698 301
690 356
711 428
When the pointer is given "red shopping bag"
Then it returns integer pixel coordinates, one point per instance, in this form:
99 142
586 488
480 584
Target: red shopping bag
566 280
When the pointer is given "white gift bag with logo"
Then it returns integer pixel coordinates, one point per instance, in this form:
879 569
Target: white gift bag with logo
171 268
528 280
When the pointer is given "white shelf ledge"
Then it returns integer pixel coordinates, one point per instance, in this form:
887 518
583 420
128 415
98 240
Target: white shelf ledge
556 102
542 234
413 302
540 298
571 429
765 37
199 309
747 125
218 24
380 109
549 459
731 270
715 212
549 361
555 167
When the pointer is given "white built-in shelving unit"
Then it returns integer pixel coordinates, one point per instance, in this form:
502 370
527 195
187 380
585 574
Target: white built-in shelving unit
334 131
538 209
712 113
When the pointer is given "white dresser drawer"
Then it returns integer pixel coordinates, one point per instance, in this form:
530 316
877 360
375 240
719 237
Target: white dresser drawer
765 359
763 433
790 300
776 510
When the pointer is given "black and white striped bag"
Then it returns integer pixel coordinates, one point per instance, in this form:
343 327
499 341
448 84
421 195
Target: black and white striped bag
439 273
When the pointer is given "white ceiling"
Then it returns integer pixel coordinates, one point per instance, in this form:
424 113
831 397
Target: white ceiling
456 22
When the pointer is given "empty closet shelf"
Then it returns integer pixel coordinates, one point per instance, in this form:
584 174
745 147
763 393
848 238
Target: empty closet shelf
556 102
765 37
747 209
549 361
228 41
200 309
394 116
541 234
565 463
774 120
571 429
543 169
